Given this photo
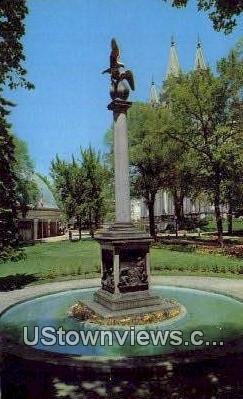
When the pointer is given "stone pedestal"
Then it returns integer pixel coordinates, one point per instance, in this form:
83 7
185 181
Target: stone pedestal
125 260
125 274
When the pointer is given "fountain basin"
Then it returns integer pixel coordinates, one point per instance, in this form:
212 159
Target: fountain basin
215 319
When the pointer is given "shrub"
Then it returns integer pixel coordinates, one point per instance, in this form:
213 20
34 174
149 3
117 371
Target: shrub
203 223
236 250
16 281
192 223
171 227
11 254
183 248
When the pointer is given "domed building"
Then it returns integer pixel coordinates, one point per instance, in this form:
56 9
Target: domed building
44 219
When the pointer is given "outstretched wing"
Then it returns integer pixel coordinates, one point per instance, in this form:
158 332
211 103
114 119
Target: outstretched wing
115 54
107 70
129 77
114 46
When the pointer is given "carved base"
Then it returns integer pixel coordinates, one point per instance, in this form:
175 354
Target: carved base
125 273
123 231
126 301
114 306
125 259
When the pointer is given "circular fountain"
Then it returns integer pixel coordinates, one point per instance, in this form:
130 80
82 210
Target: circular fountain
209 323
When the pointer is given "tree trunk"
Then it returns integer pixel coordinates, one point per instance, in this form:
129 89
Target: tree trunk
97 220
218 217
176 227
79 233
230 221
91 229
179 211
152 227
79 227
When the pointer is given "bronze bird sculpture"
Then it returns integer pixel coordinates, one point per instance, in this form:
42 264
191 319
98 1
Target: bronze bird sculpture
116 69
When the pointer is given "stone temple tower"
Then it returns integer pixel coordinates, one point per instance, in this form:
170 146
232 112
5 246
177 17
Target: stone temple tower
174 69
199 59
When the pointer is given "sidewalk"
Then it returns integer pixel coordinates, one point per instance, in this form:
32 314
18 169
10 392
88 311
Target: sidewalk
64 237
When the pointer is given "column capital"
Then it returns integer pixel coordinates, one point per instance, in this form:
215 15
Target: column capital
119 106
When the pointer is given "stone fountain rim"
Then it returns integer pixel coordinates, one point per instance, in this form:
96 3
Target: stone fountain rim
93 283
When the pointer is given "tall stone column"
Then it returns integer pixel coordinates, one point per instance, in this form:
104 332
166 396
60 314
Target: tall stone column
121 161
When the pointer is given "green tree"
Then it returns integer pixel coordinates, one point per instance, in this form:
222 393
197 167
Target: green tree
231 72
223 13
205 117
81 186
95 177
156 160
181 177
8 211
12 74
109 165
233 192
64 175
149 155
26 188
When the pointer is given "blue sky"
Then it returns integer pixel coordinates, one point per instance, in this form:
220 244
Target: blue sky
67 45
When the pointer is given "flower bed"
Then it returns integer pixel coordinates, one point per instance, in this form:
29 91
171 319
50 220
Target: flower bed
83 313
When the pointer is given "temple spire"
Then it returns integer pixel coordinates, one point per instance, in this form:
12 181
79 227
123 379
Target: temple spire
199 59
173 65
153 95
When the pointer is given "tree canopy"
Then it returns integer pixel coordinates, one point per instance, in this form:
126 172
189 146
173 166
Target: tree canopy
12 29
80 186
157 160
223 13
206 117
26 189
147 155
13 74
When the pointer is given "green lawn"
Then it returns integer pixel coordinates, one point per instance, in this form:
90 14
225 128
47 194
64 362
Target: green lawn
69 259
57 259
165 260
211 226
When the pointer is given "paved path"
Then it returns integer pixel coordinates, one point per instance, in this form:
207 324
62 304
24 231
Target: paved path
64 237
221 285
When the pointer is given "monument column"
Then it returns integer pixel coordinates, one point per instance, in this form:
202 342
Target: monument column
124 249
121 161
125 269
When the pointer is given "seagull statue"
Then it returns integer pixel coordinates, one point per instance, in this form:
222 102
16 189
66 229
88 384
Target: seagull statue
116 69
